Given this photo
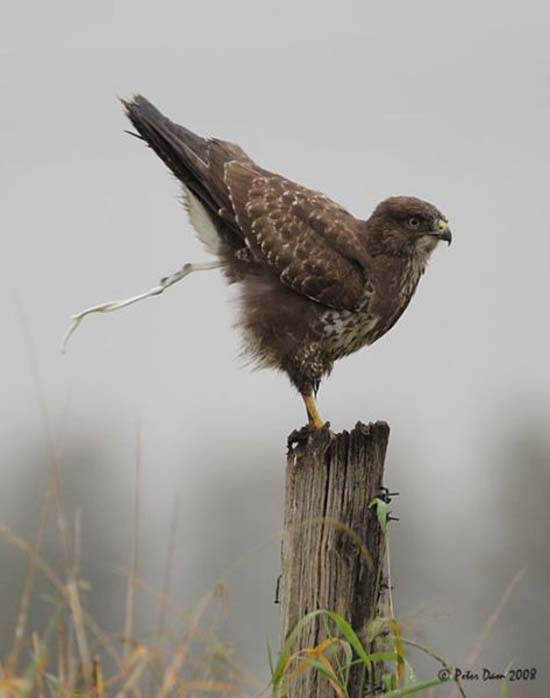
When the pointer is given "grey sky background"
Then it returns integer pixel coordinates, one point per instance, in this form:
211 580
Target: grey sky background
361 100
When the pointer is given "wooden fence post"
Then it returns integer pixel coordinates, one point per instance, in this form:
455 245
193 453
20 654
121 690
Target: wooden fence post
331 552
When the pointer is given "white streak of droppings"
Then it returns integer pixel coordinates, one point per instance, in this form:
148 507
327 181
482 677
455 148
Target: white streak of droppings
111 306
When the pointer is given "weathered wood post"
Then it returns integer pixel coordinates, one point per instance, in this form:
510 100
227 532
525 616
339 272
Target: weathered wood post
332 548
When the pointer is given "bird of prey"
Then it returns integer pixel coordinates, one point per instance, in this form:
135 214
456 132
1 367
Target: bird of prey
316 283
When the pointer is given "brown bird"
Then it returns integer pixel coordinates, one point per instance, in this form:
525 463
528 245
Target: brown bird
317 283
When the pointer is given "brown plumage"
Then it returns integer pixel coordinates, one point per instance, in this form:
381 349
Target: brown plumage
317 283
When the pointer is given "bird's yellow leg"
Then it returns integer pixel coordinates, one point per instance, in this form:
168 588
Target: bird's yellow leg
313 416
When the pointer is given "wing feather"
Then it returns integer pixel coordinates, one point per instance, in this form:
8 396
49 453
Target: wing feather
312 243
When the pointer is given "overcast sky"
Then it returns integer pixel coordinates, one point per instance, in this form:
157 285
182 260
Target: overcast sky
362 100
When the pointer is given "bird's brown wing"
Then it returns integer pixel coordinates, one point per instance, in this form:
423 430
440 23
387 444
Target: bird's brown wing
310 242
313 245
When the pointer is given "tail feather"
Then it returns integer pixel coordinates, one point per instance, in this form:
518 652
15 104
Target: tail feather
200 165
181 150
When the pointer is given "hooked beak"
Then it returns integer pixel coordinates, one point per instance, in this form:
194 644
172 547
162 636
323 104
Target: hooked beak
441 231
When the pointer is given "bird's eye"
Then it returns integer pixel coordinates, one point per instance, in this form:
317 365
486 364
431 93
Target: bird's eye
414 222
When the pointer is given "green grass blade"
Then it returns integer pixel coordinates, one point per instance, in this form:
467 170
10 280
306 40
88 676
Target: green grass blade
409 678
414 688
325 671
37 660
288 646
350 635
504 689
348 653
270 659
347 632
375 627
382 510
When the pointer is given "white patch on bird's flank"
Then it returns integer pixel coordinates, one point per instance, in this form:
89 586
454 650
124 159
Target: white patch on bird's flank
201 221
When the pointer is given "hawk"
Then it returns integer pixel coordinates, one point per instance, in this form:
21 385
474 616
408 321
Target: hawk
316 283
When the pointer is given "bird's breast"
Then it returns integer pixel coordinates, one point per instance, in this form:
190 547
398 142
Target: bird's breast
346 331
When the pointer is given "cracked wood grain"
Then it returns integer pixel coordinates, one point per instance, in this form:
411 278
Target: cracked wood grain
331 549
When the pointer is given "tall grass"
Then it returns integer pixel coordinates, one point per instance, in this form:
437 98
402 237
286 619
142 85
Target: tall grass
181 658
73 655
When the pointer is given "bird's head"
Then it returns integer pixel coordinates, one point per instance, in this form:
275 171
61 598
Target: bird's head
404 225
